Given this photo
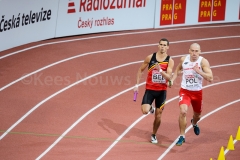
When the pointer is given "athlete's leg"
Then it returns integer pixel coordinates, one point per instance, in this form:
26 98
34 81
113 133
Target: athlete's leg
196 100
146 108
160 98
183 119
184 102
196 117
197 109
147 101
159 103
157 120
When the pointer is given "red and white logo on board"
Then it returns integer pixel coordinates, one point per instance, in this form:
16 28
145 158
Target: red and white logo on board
172 12
71 7
211 10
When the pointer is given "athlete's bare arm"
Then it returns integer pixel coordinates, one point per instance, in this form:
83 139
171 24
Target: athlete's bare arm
168 75
141 69
178 69
207 72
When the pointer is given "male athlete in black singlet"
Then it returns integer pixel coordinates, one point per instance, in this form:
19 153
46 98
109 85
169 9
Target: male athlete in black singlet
160 66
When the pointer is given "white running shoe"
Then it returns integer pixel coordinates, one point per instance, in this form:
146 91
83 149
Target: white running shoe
154 139
152 109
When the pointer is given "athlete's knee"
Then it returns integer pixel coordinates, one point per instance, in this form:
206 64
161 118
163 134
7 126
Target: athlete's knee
197 115
145 109
158 114
144 112
183 114
183 111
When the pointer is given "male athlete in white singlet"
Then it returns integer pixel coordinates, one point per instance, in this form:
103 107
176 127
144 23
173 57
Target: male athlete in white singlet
195 68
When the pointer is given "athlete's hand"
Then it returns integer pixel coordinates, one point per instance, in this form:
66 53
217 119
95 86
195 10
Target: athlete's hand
135 88
158 67
196 68
179 72
169 84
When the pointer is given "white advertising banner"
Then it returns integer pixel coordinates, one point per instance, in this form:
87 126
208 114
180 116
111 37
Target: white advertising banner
25 21
91 16
170 13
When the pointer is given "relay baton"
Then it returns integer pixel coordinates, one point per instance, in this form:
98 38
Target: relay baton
135 96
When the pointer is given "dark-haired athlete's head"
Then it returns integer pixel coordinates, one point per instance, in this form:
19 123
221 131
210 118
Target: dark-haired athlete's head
164 39
163 46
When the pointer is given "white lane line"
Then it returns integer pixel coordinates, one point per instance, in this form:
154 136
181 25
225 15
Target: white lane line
131 126
115 142
62 90
125 132
227 150
224 65
58 92
81 118
120 34
110 50
205 116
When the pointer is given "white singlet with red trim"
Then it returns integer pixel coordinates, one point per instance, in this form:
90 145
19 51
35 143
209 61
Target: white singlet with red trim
191 80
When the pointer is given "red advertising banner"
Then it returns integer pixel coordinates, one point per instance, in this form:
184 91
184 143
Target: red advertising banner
179 11
219 9
205 8
166 12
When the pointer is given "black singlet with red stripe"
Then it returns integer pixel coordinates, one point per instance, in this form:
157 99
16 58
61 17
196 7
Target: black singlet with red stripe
155 81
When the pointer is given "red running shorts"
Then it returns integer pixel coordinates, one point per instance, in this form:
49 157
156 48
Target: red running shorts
193 98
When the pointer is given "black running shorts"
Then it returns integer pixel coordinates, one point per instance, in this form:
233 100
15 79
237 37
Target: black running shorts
158 96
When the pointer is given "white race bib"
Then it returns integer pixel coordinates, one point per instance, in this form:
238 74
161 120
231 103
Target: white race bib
157 77
192 80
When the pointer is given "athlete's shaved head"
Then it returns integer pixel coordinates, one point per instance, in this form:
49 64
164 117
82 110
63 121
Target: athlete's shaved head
194 51
195 45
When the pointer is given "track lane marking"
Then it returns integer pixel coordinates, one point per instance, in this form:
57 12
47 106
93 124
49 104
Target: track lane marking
118 139
143 116
64 89
112 35
189 127
58 92
124 133
103 51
